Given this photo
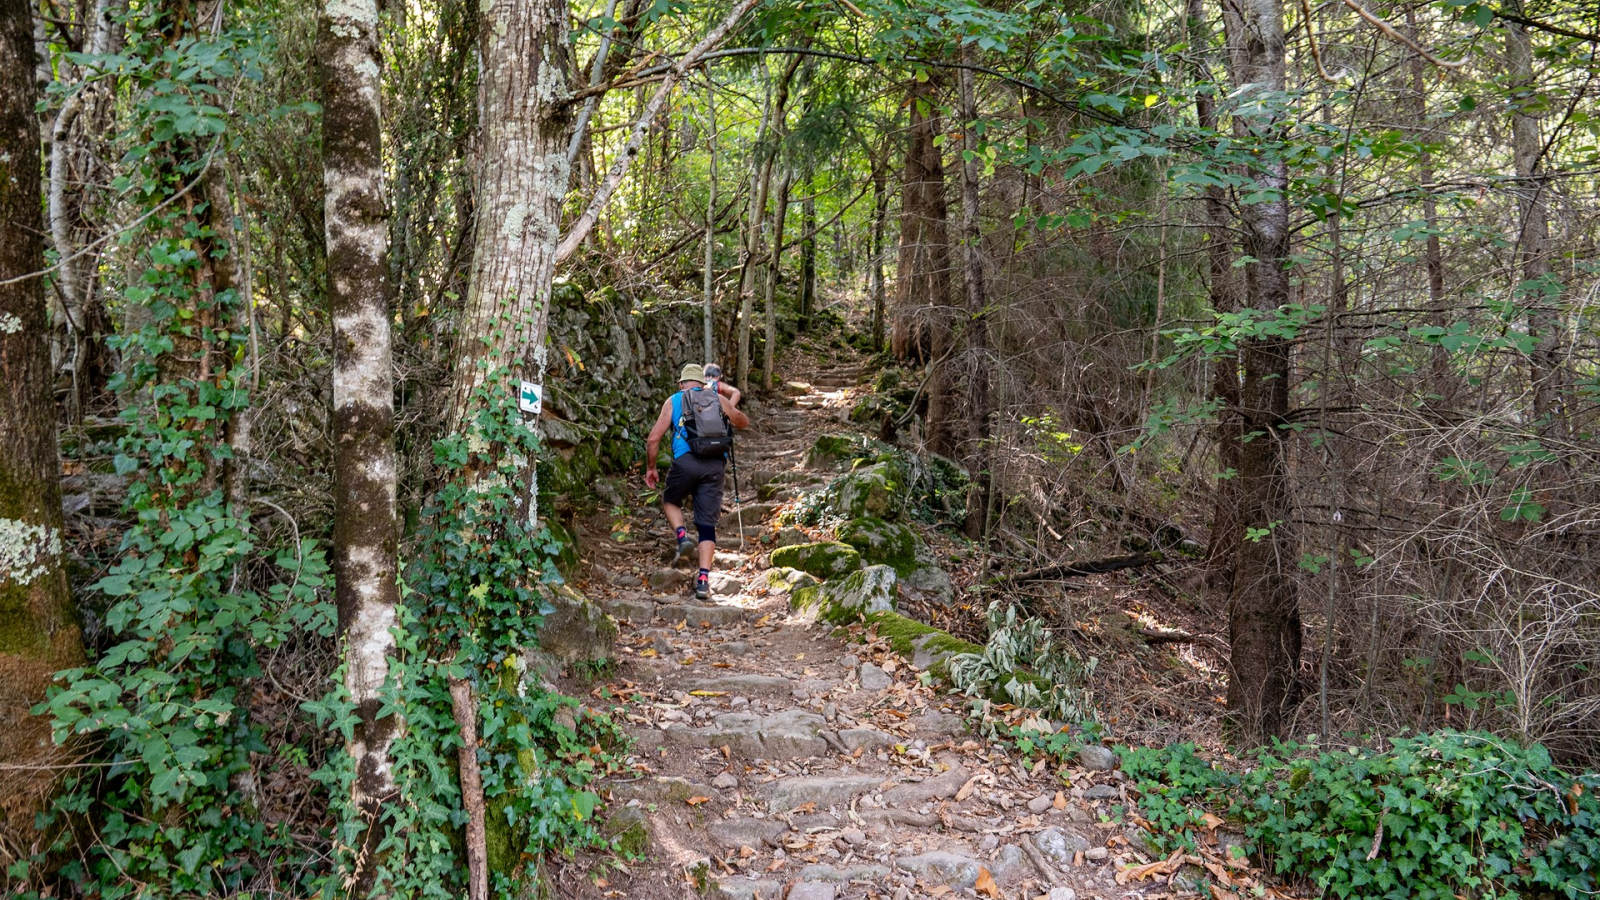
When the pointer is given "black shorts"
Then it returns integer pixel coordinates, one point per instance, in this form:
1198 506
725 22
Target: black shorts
692 476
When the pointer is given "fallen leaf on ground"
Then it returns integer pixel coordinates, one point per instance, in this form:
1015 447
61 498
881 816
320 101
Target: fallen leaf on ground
708 693
986 885
696 801
1060 802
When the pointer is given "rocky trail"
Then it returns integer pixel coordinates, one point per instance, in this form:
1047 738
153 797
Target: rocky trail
780 758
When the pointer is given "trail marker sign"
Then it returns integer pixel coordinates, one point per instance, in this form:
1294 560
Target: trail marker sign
530 397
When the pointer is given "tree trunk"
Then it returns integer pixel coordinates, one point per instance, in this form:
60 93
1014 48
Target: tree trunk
356 221
922 328
1443 381
1539 288
525 125
780 213
38 625
1263 610
808 251
880 214
711 210
978 454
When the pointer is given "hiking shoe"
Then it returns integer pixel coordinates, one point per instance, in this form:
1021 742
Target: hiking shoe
685 549
702 587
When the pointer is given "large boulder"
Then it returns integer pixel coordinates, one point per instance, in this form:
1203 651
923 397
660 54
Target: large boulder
873 490
576 632
823 559
871 590
897 544
783 580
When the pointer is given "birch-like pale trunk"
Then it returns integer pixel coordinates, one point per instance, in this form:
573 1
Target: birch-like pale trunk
1263 607
38 626
760 178
364 527
880 215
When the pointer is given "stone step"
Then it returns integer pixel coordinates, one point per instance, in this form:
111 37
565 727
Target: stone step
786 794
702 616
790 734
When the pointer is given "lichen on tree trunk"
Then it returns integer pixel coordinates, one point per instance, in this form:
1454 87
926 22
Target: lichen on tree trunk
38 626
365 532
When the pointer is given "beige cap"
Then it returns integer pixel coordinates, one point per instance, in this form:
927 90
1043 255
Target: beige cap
692 372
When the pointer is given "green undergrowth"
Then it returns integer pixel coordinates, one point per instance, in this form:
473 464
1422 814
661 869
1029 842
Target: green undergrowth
931 489
1437 816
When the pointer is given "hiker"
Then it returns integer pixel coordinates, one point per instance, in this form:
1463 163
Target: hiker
701 441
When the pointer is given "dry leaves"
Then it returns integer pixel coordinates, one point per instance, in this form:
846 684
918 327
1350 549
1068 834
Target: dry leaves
986 885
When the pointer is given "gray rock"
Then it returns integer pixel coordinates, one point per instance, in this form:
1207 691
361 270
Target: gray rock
827 873
1059 846
1102 792
576 629
793 733
787 793
870 738
725 585
874 678
1096 758
749 514
626 580
790 536
1141 840
702 616
1041 803
725 781
855 837
732 834
849 661
670 580
743 684
1096 853
1063 893
632 609
1009 864
660 789
812 890
940 867
939 787
744 889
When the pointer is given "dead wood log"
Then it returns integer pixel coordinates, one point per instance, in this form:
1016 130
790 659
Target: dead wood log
1082 569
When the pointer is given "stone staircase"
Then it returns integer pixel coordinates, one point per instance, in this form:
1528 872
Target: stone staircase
776 759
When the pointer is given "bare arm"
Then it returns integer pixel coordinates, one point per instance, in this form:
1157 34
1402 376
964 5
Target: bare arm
652 443
729 391
738 418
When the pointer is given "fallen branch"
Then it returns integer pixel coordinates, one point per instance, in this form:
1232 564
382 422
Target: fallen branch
1081 569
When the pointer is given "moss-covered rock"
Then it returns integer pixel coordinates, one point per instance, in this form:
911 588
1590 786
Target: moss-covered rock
873 589
874 490
824 559
784 580
576 632
882 543
835 449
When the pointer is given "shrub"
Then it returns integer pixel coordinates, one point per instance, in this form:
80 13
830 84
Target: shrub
1442 815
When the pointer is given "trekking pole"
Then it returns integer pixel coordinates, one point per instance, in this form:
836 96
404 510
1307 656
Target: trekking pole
733 463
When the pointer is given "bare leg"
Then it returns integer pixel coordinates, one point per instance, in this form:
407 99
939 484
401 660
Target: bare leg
708 551
674 515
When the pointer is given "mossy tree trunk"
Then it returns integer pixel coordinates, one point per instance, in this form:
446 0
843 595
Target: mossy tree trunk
38 628
365 533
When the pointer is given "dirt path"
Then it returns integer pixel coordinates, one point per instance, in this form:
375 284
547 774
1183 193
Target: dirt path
776 760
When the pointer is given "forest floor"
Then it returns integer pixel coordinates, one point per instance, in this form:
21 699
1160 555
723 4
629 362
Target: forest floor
782 759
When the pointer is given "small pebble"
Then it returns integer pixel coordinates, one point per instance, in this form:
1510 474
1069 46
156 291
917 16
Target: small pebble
738 702
849 661
1096 853
855 837
1040 804
725 782
830 711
